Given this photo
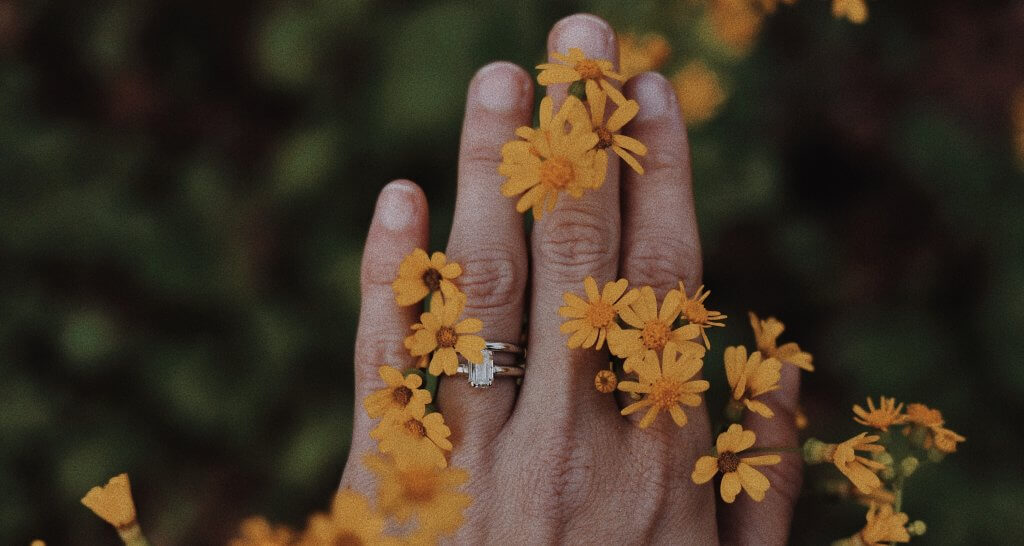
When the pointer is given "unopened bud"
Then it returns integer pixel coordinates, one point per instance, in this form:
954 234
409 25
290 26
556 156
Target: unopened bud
816 451
916 528
908 465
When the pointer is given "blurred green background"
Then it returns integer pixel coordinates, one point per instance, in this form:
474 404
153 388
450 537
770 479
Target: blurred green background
185 188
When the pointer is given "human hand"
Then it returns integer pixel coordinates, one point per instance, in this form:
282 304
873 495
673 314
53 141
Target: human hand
553 461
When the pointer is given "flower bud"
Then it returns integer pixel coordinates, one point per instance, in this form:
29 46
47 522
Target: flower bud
916 528
816 451
908 465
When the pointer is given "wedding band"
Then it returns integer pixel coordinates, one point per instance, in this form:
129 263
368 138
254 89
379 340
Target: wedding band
482 375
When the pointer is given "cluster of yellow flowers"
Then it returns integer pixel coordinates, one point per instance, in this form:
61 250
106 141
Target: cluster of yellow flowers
568 151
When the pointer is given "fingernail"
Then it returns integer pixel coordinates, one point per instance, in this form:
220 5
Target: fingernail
654 94
587 32
497 87
395 206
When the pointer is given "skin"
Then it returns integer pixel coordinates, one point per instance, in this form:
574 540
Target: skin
554 461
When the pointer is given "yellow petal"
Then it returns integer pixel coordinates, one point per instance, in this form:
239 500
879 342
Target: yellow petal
705 469
753 481
730 486
759 408
470 346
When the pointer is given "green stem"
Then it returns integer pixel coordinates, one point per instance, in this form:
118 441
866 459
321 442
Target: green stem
430 385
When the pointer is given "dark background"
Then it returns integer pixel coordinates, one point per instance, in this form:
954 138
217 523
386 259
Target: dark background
185 188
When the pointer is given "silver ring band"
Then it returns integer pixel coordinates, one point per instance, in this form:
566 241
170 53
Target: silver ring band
502 347
482 375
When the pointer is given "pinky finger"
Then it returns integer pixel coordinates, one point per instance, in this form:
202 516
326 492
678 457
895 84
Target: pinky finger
399 225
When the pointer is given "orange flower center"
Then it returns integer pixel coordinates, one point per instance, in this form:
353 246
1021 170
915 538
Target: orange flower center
401 395
556 172
418 488
432 278
604 137
600 314
665 393
695 312
605 381
416 428
655 335
728 462
446 336
588 69
347 538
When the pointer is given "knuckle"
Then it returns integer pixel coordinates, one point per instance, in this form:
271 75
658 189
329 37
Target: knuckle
577 241
378 272
662 262
665 163
375 348
481 157
491 278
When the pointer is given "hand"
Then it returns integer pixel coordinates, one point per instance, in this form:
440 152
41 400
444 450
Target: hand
553 461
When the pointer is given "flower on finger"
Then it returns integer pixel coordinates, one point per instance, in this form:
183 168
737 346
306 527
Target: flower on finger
575 66
420 275
694 311
668 385
417 488
609 132
401 393
605 381
550 160
887 413
412 436
750 377
350 521
737 472
591 319
767 332
441 333
652 328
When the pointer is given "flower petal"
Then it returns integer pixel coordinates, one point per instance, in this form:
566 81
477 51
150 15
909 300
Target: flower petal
705 469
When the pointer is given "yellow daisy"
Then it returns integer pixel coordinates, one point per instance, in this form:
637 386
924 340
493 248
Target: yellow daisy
401 393
885 525
887 413
576 66
736 472
257 531
605 381
422 490
699 92
550 160
651 327
439 333
854 10
410 436
591 320
751 377
351 521
921 414
641 54
420 275
767 332
859 470
668 385
694 311
608 131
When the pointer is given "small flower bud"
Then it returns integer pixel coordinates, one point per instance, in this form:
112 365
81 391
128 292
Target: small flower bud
909 465
816 451
935 455
916 528
883 457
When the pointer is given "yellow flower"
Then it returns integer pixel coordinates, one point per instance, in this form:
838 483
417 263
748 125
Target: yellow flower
945 440
575 67
605 381
736 472
608 132
667 385
699 92
652 328
884 526
591 321
767 332
854 10
439 333
694 311
351 522
422 490
420 275
736 23
641 54
550 160
921 414
257 531
886 415
859 470
113 502
751 377
411 435
401 393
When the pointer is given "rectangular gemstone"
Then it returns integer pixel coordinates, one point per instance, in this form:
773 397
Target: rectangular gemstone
482 374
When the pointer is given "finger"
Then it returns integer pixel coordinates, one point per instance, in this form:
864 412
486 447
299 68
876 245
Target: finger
488 240
660 247
580 237
399 225
767 522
